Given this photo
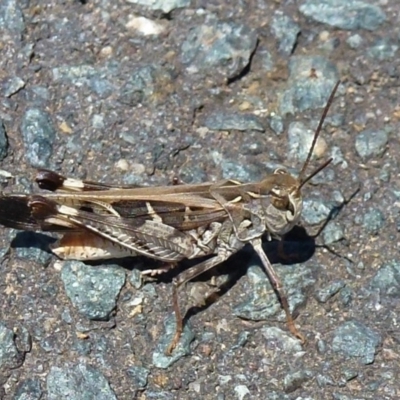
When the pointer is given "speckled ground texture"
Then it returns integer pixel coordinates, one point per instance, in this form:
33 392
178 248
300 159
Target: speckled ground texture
139 92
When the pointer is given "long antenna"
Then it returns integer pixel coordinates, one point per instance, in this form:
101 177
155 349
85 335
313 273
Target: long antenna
309 177
317 132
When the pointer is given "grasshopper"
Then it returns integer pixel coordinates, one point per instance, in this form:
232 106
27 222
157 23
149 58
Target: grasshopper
167 223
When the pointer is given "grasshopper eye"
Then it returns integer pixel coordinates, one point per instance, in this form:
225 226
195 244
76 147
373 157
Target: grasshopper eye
282 203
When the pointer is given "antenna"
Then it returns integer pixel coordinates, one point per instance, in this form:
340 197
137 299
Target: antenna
317 132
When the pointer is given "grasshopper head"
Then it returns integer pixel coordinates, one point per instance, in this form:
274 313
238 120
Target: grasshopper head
282 191
283 202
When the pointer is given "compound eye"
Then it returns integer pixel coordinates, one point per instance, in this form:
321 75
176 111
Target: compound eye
279 202
282 203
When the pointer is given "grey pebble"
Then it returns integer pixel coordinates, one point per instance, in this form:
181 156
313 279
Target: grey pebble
254 144
324 380
85 75
286 31
160 359
218 45
29 389
242 339
281 340
304 90
383 49
300 137
76 74
354 339
138 375
315 210
147 84
324 294
51 344
265 58
294 380
92 290
354 41
165 6
332 233
384 173
321 346
349 374
135 278
243 172
242 391
262 303
387 280
371 143
10 357
192 174
3 142
78 382
338 157
373 220
341 396
346 296
38 135
276 396
33 246
276 123
13 85
344 14
23 339
224 121
12 22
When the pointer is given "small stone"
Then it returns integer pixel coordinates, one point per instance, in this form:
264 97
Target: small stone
295 380
344 14
13 85
3 142
33 246
371 143
300 138
383 49
38 134
315 211
92 290
139 376
78 382
311 80
387 281
12 22
9 354
149 84
373 220
355 41
276 123
324 294
145 26
220 46
281 340
332 233
160 359
261 302
354 339
29 389
225 121
286 31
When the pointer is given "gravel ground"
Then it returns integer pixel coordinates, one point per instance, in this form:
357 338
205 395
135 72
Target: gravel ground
140 92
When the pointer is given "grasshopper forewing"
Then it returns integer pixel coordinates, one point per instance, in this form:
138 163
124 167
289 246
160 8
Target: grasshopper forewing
169 223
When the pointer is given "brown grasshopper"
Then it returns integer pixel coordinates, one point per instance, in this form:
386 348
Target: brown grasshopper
169 223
